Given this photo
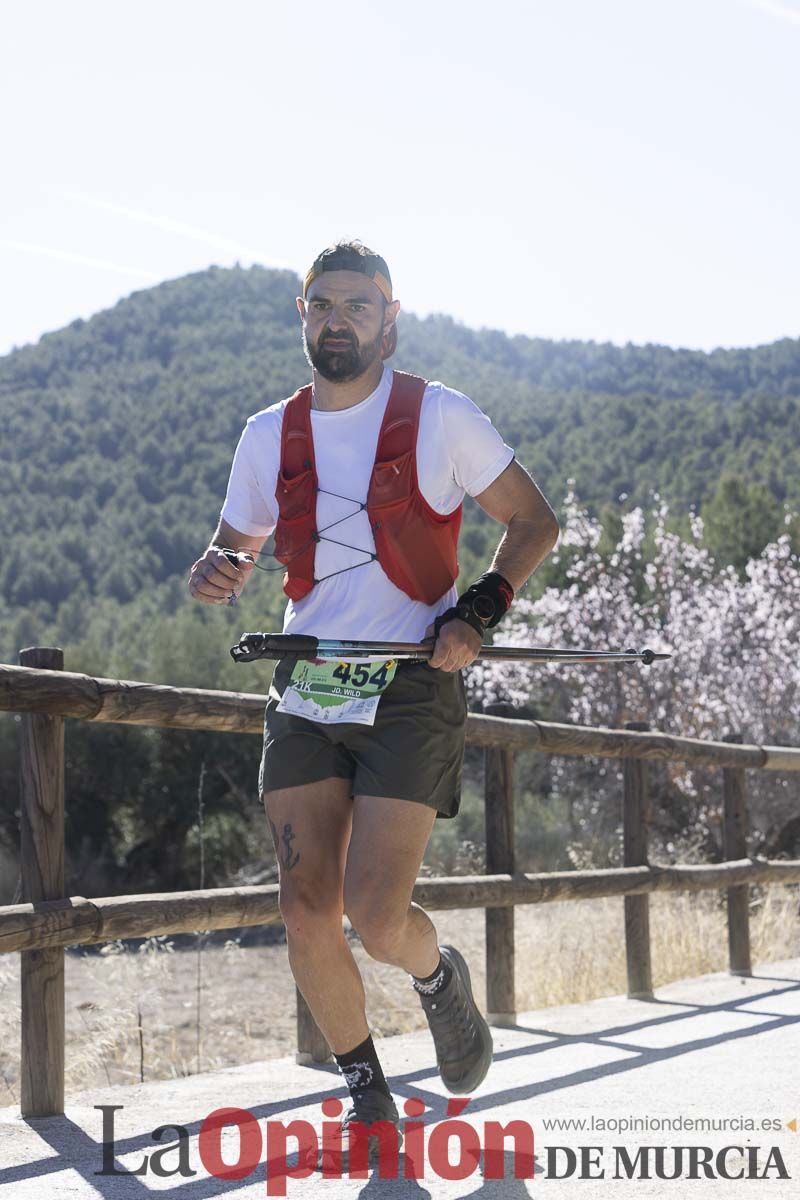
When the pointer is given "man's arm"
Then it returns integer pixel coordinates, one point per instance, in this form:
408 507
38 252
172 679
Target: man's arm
531 533
214 578
229 538
531 525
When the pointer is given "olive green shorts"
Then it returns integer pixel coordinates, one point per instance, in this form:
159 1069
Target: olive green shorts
413 751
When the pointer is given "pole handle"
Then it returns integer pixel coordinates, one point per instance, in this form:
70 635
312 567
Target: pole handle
252 646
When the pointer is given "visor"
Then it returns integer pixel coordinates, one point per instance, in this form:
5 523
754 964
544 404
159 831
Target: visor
335 259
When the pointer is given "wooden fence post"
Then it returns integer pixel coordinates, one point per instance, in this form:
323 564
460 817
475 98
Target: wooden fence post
501 1006
634 851
42 878
734 845
311 1044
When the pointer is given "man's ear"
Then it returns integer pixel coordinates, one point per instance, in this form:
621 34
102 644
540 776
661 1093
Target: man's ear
301 307
389 339
390 315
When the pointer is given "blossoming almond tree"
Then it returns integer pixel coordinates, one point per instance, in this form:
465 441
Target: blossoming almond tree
735 669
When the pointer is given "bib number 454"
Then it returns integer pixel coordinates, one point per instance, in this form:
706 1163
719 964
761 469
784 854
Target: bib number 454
359 675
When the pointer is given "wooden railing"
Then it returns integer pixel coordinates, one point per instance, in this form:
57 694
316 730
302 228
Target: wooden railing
47 921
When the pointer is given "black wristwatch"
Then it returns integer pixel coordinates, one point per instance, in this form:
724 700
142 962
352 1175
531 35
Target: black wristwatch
482 606
478 610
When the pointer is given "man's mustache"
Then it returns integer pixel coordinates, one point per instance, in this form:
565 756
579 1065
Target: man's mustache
338 337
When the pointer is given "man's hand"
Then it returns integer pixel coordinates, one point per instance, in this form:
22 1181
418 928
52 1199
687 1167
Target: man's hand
213 579
457 645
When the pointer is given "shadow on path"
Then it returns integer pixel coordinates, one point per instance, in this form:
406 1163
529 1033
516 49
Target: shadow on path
75 1148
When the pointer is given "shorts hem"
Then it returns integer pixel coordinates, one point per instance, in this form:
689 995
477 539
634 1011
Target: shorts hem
279 787
382 795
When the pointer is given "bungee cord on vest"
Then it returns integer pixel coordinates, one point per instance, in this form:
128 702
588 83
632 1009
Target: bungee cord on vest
415 546
317 537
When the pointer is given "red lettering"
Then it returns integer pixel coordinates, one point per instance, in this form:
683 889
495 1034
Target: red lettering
414 1143
278 1169
439 1149
210 1143
494 1136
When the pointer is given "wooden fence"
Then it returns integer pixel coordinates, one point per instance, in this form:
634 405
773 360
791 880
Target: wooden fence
47 921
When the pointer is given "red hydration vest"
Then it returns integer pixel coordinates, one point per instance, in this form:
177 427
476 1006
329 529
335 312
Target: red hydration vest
415 545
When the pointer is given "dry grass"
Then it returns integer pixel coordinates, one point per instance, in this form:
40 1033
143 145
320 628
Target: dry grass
565 953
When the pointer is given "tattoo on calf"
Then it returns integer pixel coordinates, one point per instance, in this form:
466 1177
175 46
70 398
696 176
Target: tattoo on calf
286 856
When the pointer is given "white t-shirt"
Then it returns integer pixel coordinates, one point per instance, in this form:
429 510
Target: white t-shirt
458 451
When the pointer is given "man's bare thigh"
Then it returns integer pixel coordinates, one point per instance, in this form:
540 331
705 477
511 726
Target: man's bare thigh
386 848
310 826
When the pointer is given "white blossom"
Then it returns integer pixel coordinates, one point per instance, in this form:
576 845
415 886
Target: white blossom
735 666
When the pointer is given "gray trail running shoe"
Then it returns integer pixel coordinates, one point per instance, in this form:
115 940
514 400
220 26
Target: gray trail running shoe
462 1038
366 1107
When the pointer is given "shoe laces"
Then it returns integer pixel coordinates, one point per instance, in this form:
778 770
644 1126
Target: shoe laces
452 1023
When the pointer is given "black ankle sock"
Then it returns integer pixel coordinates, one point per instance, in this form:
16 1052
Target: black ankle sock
361 1069
432 984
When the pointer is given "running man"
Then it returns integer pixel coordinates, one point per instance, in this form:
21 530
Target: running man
361 477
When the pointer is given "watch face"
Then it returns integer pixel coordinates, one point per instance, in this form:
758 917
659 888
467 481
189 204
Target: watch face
483 607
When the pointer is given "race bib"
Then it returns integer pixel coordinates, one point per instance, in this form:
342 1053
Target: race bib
333 692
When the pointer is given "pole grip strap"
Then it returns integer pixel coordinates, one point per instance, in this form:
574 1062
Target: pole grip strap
274 645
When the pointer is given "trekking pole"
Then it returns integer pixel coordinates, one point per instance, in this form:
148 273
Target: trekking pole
252 646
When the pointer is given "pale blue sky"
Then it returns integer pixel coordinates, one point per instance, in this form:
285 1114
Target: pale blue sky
612 169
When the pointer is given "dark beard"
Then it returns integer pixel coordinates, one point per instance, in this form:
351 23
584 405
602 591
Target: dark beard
342 366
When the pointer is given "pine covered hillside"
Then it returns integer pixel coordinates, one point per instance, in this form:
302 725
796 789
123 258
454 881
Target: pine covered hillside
118 434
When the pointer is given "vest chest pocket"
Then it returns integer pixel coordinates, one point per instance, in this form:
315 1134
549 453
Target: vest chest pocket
295 496
296 500
392 481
